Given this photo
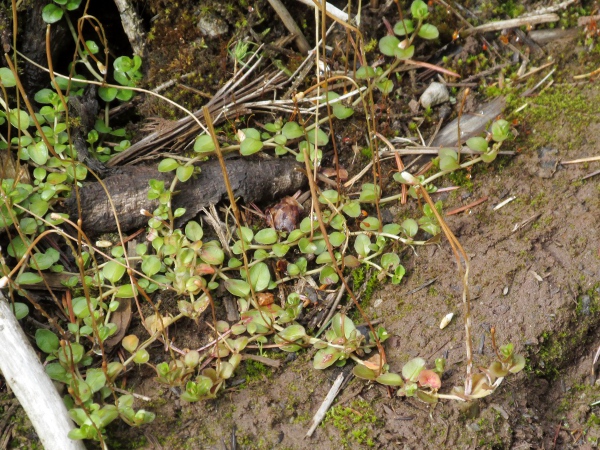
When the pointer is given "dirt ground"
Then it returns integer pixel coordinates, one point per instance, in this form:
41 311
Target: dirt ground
535 277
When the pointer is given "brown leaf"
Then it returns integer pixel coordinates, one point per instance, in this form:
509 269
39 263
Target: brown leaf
122 318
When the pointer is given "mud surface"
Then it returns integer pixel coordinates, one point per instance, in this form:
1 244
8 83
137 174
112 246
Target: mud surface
535 278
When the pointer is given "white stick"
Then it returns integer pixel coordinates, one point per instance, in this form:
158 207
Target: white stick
336 12
333 392
33 388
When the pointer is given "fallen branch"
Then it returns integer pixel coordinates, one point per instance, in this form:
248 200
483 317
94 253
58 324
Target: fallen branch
512 23
254 181
33 388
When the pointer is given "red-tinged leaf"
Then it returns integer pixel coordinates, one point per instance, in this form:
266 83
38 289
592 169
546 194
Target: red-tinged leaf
428 378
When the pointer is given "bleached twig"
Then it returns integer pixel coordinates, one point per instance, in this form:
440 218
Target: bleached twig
320 414
512 23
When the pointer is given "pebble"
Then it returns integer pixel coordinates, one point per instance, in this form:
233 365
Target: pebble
212 25
435 94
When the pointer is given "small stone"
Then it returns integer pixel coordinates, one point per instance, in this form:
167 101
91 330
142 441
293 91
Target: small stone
212 25
585 305
435 94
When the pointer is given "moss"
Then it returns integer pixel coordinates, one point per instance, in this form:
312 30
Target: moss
557 108
558 349
355 423
256 370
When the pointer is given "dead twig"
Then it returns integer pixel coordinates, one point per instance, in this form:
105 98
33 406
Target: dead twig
582 160
466 207
329 398
512 23
291 25
132 25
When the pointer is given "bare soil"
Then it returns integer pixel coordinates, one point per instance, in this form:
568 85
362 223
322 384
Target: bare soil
535 278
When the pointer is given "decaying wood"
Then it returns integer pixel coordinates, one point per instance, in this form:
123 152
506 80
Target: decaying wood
253 181
132 25
471 124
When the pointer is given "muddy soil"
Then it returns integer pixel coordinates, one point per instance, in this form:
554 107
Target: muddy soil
535 278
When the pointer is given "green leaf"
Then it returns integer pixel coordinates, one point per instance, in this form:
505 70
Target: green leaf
95 379
361 371
388 45
390 379
292 130
369 193
108 94
448 159
404 53
328 276
72 5
184 173
413 368
141 356
204 144
246 234
410 227
361 245
193 231
249 146
113 271
326 357
518 363
329 196
292 333
386 86
305 245
266 236
352 209
320 137
337 238
51 13
370 224
399 273
28 278
500 130
38 153
43 261
92 46
342 112
46 340
428 31
17 247
212 254
239 288
390 261
391 228
342 326
57 372
477 144
365 72
168 165
260 276
404 27
151 265
7 78
419 9
45 96
123 64
280 250
19 119
19 309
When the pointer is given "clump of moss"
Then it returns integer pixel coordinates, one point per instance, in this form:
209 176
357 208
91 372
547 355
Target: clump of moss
355 423
256 370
